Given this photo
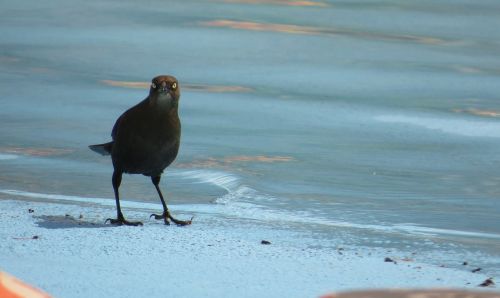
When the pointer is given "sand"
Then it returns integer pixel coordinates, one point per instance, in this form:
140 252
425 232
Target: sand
65 249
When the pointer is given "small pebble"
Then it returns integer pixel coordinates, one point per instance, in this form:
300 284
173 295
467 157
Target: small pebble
487 283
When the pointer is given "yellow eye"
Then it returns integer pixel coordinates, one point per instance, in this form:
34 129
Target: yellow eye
153 85
174 85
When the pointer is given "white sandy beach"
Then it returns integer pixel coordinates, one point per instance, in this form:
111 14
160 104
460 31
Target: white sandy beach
75 255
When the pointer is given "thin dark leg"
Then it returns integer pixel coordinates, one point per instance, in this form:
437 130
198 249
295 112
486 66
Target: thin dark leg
117 180
166 214
120 220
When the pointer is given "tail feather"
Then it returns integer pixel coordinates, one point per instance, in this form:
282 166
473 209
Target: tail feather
103 149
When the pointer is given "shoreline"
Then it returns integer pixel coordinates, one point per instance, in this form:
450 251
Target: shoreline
75 255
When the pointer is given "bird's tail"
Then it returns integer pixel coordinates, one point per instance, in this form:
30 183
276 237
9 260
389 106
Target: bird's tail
103 149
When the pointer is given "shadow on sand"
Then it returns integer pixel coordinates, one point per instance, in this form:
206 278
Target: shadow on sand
65 222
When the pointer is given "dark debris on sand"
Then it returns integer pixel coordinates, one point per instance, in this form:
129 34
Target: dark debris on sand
389 260
487 283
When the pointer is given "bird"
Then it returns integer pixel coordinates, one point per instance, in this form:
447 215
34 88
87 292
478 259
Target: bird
146 140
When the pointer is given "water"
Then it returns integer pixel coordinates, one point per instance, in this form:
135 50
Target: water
372 124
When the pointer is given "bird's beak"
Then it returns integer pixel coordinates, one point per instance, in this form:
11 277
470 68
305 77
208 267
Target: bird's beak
163 87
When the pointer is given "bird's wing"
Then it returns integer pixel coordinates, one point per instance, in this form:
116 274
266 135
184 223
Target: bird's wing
138 108
114 132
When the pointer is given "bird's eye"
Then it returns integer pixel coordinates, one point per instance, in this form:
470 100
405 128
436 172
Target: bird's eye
174 85
153 85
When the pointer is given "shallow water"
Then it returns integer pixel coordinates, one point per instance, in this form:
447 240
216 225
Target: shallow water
370 123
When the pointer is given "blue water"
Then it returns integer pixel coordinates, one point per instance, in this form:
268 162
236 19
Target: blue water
372 123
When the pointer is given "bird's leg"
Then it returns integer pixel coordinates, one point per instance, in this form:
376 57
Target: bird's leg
120 220
166 214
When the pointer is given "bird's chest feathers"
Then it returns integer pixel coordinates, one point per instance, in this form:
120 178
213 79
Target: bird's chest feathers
158 130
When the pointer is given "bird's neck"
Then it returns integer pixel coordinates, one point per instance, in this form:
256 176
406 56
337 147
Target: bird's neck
163 104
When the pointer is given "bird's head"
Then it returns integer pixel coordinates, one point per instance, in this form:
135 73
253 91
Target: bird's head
165 91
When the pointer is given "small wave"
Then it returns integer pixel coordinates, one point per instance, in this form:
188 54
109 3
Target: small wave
241 193
8 156
236 191
223 180
437 231
236 204
461 127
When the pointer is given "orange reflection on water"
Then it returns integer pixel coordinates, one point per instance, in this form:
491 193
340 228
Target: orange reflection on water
280 2
295 29
468 69
228 160
258 158
140 85
478 112
187 87
298 29
35 151
216 89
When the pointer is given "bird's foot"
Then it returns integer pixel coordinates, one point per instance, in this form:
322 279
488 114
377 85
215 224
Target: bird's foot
166 217
122 221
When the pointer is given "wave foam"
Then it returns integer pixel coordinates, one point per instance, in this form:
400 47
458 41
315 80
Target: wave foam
236 204
461 127
221 179
236 192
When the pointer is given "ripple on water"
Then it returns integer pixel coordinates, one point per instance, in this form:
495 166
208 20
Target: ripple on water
8 156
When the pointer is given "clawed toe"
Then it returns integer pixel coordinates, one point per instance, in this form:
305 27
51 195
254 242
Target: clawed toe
166 216
163 216
182 222
123 221
157 216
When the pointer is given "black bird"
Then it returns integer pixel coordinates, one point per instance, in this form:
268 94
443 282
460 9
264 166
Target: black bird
146 140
